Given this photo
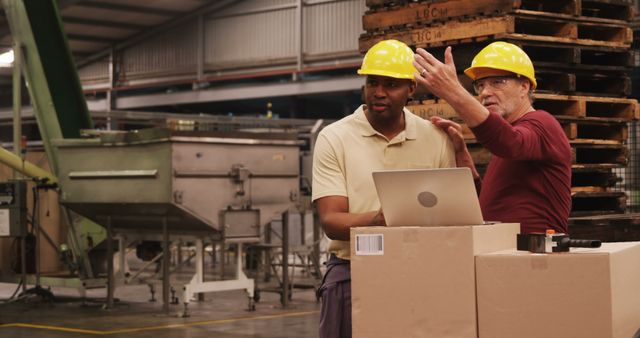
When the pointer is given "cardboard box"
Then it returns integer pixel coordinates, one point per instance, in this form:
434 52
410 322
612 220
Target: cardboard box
584 293
419 281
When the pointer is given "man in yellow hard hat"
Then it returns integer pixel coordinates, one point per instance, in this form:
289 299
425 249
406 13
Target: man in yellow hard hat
528 179
381 134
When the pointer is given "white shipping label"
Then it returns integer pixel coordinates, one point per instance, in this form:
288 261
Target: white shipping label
4 222
370 245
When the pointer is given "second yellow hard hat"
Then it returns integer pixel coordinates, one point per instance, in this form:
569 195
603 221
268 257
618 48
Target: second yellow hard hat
503 56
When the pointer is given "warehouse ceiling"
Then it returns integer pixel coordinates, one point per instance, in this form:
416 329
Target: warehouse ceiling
97 28
94 27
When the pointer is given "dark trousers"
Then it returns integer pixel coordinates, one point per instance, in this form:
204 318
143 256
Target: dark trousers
335 291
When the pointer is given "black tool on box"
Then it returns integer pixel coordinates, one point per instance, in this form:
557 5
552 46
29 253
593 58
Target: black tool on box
552 242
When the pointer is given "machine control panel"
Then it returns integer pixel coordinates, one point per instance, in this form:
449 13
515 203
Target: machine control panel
13 208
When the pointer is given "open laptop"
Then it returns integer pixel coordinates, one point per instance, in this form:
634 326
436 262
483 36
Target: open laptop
428 197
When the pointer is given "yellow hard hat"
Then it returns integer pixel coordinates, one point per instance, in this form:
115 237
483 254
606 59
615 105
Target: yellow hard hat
390 58
503 56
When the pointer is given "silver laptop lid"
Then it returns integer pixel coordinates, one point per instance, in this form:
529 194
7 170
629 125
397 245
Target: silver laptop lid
428 197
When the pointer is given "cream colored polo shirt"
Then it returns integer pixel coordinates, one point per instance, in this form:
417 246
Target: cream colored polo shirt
348 150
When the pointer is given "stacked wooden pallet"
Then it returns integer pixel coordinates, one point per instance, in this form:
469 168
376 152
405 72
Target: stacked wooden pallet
581 51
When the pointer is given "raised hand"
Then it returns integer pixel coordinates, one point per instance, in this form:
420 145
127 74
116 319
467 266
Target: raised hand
454 130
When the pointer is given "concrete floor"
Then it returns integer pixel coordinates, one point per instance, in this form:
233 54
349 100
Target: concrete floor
221 314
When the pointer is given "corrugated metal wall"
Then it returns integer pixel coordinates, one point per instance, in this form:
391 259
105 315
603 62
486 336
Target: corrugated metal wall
254 33
258 38
332 28
95 73
171 53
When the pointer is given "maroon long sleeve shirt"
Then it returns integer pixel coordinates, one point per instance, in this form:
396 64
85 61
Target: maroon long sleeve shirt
528 179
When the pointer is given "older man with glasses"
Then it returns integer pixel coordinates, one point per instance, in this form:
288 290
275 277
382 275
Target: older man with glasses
528 179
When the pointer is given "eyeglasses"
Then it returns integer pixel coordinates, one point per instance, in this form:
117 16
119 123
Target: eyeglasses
494 82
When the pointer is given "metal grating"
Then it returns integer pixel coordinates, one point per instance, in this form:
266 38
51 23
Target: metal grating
630 175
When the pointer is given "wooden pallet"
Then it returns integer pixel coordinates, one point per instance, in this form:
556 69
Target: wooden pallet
583 133
587 130
620 10
587 106
599 154
419 14
553 56
396 15
582 155
582 83
601 180
595 203
607 228
558 105
519 27
579 131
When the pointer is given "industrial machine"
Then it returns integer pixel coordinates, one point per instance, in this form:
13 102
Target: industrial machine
195 184
223 186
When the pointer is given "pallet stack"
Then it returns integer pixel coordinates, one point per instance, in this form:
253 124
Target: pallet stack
582 55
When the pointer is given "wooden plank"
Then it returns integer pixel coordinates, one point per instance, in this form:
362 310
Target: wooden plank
580 141
631 218
571 130
568 7
385 3
595 166
588 189
553 39
429 108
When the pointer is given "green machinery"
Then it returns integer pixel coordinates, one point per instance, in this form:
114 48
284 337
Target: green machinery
56 95
150 185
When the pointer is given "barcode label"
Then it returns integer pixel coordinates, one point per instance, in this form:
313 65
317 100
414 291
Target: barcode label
370 245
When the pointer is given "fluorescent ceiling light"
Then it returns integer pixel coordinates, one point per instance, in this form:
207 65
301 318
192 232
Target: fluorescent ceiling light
6 59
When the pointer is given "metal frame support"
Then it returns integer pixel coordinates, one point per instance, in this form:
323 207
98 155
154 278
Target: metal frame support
17 99
110 275
197 284
200 49
80 254
199 264
299 39
286 288
166 255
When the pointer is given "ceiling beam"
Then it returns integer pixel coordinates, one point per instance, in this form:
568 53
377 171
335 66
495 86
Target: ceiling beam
62 4
128 8
90 38
103 23
209 7
332 85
